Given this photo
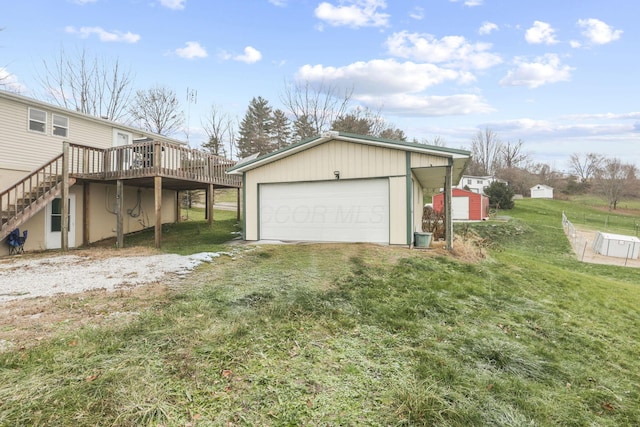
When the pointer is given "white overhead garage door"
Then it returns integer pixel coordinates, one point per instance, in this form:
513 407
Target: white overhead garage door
460 207
326 211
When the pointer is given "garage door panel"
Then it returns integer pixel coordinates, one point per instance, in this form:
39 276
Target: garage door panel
460 208
340 211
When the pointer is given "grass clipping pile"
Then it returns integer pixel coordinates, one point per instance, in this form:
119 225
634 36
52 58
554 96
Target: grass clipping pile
468 247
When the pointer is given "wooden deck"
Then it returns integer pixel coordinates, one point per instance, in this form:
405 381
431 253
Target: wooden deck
153 164
181 168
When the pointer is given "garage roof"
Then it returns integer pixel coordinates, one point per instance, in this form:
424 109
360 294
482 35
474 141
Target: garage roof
458 158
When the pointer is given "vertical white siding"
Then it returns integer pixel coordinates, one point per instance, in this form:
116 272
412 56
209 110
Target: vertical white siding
398 210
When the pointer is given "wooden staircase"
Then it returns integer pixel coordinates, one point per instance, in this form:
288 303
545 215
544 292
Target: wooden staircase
30 195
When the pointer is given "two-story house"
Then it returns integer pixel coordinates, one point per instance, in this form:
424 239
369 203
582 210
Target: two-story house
477 184
117 179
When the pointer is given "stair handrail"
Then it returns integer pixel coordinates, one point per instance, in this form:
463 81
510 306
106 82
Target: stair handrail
5 195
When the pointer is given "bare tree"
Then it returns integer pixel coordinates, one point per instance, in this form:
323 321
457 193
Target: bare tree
585 166
157 110
613 180
485 150
436 141
511 155
219 128
87 84
318 105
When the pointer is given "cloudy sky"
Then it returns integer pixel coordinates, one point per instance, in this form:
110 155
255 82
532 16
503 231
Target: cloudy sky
559 75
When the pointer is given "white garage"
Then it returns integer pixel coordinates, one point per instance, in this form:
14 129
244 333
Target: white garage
326 211
341 187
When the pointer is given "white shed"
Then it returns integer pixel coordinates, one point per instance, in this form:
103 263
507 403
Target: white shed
617 245
541 191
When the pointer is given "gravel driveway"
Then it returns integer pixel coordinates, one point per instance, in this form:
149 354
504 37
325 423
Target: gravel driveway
28 277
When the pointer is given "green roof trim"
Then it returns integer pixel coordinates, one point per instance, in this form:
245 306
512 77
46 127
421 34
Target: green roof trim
411 146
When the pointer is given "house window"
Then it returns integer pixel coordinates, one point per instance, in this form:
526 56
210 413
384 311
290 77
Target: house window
37 120
60 126
469 181
479 182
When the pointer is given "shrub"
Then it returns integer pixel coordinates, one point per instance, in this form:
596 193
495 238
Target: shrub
500 195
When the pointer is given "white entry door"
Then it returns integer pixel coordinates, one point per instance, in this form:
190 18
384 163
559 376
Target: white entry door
53 222
326 211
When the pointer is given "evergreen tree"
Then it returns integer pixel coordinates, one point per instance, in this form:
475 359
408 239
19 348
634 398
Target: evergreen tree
500 195
256 129
281 130
303 128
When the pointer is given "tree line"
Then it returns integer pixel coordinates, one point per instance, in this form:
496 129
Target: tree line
609 177
104 88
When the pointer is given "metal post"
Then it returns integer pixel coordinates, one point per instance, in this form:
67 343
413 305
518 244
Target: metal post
448 194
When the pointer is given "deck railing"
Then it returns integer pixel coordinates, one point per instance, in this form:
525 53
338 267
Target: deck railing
152 158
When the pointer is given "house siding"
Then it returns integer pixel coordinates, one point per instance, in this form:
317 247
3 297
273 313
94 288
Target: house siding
23 151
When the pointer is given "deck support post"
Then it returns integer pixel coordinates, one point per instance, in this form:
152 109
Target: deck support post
448 211
119 214
210 202
86 220
64 218
157 184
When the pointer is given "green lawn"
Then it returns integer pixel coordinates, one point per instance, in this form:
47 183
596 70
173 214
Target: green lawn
354 335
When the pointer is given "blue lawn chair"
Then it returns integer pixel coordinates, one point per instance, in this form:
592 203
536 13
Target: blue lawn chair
16 241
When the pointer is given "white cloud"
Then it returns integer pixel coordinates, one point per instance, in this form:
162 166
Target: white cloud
544 70
417 13
487 27
470 3
540 33
250 55
9 81
173 4
279 3
575 44
103 35
598 32
419 105
382 76
192 50
83 2
353 13
452 50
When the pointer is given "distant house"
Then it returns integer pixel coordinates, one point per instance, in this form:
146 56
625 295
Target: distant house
541 191
465 205
477 184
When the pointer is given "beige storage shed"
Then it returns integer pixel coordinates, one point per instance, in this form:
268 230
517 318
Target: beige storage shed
341 187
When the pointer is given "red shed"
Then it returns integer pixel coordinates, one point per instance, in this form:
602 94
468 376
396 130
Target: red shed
465 205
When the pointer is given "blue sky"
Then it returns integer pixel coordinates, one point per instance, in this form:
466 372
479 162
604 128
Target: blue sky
560 75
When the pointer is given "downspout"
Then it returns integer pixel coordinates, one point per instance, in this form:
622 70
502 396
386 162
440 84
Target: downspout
409 196
244 206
